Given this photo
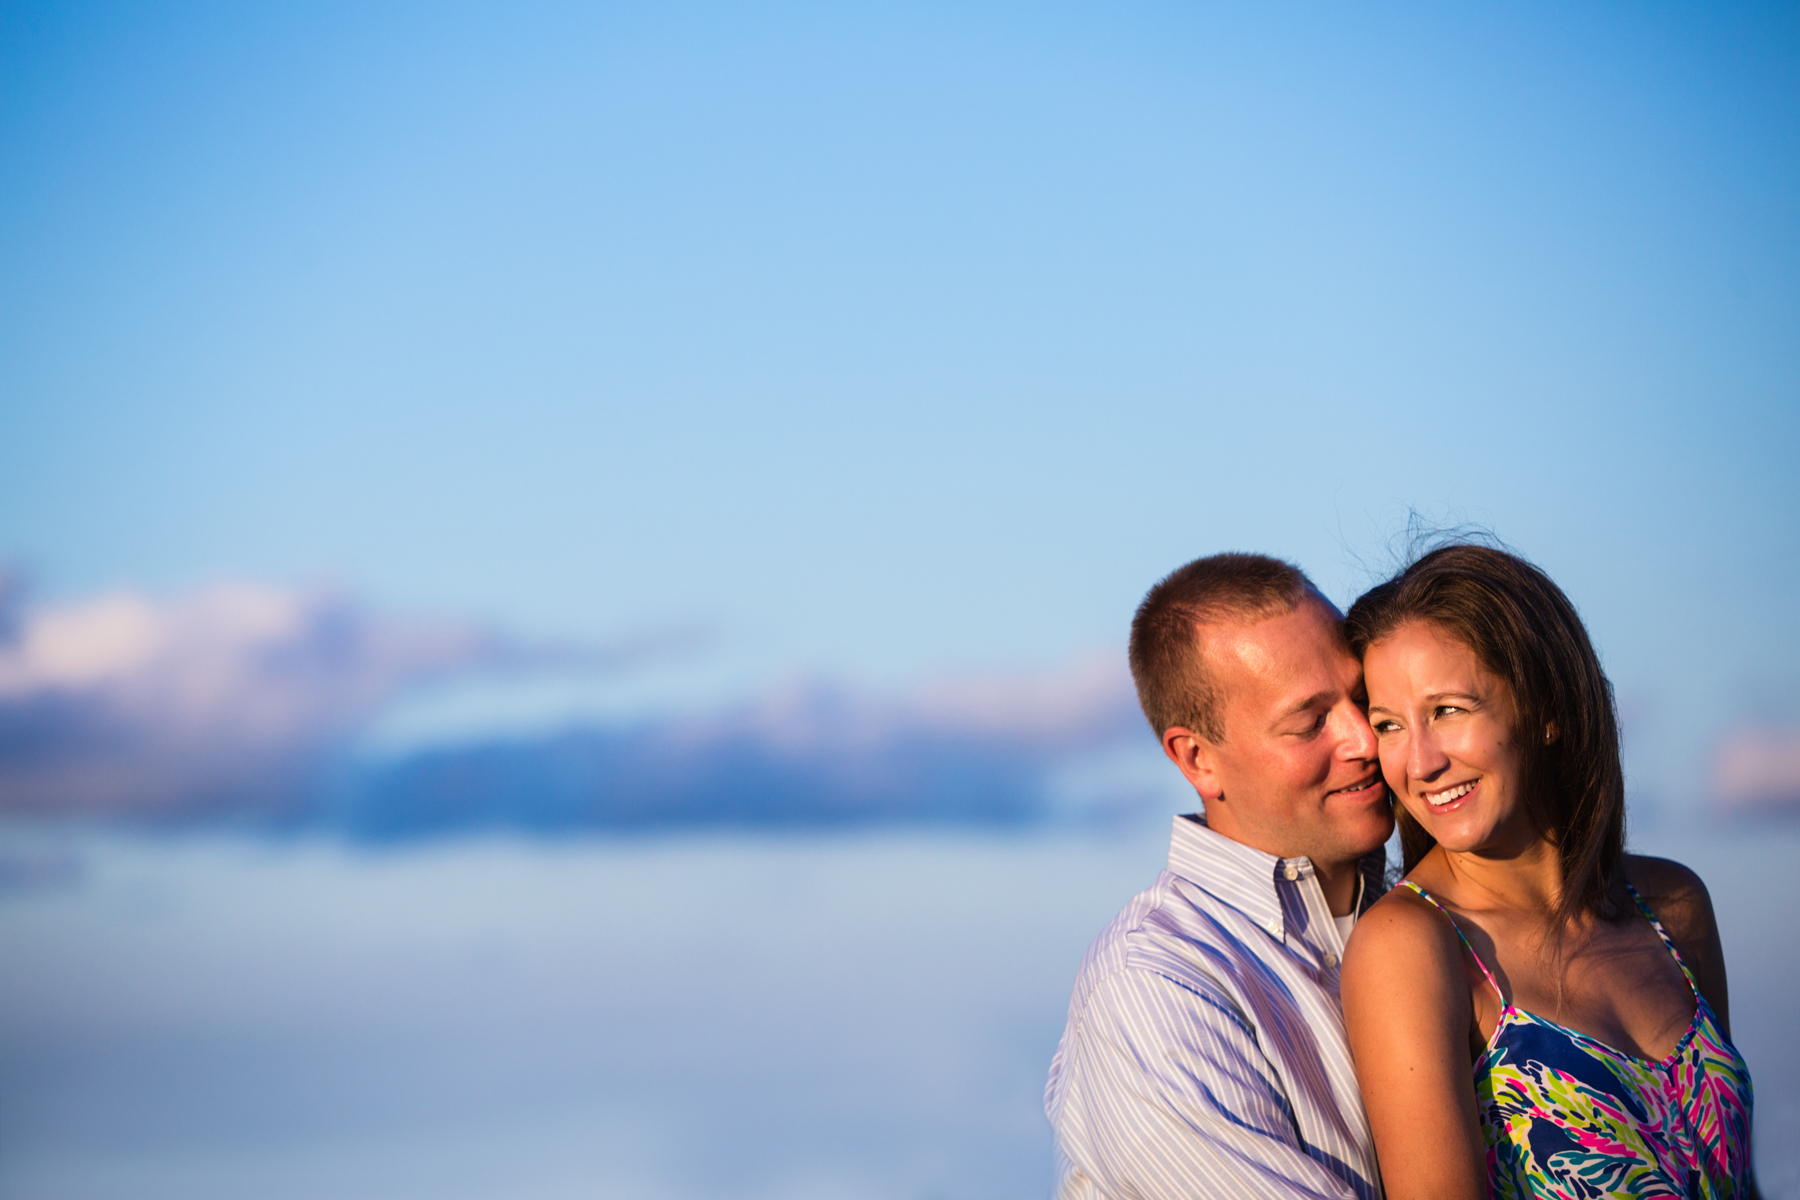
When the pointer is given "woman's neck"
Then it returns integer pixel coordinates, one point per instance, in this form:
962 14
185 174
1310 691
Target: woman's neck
1528 877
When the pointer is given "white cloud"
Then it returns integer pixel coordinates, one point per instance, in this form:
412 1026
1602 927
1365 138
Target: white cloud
218 698
249 702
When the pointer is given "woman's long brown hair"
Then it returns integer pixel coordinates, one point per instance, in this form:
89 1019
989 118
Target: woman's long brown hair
1524 630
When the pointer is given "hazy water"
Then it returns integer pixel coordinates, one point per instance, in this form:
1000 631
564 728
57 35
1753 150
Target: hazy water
831 1017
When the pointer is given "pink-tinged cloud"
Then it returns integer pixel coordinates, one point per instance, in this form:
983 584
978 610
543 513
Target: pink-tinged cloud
219 700
230 704
1758 770
1063 710
976 752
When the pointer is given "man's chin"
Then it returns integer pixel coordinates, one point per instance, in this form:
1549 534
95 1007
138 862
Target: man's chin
1364 817
1377 835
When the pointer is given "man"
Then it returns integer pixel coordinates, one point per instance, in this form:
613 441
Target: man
1205 1052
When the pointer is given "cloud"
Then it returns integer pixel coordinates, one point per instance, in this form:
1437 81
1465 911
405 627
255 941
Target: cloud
217 702
994 751
1758 770
239 704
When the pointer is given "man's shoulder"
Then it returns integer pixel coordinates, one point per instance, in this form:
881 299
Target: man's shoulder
1164 933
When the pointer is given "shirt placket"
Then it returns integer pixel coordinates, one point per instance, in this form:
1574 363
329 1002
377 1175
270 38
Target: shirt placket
1296 875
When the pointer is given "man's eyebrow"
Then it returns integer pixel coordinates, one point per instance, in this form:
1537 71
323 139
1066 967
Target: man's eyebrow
1312 701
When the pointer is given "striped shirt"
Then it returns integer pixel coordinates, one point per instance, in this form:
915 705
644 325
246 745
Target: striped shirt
1205 1051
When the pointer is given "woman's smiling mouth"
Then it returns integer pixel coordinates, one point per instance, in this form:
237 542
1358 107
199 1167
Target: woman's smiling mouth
1450 795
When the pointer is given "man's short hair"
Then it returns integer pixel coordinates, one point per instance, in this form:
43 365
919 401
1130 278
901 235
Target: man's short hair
1168 661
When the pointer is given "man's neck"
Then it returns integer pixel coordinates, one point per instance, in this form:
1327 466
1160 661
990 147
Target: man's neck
1338 881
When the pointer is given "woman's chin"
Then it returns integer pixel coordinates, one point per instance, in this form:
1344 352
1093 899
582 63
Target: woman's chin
1459 836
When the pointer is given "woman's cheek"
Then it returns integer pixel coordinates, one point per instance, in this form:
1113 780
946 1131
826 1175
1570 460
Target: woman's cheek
1418 808
1393 766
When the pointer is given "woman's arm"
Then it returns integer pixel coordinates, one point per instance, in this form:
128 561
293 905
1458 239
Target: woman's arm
1408 1013
1680 901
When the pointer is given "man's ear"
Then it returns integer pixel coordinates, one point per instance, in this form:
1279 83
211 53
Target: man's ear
1193 755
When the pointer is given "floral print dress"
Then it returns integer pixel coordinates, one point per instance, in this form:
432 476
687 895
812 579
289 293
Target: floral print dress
1564 1115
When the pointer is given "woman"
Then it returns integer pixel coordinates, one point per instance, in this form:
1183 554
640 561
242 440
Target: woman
1533 1012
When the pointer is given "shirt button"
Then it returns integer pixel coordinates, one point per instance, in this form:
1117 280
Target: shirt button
1290 874
1275 928
1330 959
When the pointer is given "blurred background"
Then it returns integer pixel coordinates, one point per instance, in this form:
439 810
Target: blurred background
569 564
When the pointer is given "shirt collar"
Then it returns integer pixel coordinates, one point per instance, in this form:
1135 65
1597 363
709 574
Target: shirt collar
1245 878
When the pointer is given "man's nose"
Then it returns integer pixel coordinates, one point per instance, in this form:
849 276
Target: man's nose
1358 740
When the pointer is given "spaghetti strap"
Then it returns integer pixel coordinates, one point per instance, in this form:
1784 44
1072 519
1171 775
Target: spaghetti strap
1489 975
1662 933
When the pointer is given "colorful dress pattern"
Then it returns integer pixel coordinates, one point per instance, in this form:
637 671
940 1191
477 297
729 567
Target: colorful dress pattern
1564 1115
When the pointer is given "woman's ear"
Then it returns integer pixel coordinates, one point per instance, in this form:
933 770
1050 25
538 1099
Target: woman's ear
1550 733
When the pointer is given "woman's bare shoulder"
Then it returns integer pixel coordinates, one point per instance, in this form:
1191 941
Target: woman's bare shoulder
1403 971
1664 876
1402 930
1675 894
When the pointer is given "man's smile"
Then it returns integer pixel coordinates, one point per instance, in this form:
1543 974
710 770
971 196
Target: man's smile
1356 790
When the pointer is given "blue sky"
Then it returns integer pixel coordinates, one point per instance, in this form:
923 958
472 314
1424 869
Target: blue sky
793 401
892 341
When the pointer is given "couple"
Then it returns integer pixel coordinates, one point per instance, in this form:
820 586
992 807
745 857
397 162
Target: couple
1532 1012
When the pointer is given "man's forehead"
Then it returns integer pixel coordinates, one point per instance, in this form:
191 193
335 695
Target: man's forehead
1312 620
1292 651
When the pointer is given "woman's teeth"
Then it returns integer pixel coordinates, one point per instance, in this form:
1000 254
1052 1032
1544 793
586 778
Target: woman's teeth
1448 794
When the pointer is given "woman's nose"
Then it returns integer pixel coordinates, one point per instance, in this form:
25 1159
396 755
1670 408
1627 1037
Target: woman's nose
1427 759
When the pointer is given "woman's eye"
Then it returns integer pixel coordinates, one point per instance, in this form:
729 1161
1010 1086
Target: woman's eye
1443 710
1386 726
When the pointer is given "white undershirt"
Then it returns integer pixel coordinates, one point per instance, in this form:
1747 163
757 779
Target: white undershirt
1348 922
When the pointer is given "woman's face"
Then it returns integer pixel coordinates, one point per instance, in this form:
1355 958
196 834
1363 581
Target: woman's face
1444 726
